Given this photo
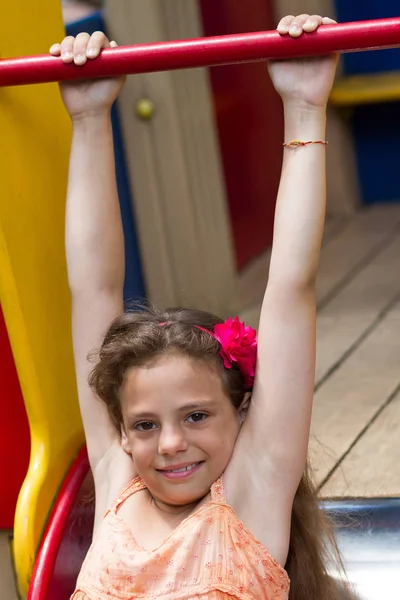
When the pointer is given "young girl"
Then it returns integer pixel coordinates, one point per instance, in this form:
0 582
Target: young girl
198 453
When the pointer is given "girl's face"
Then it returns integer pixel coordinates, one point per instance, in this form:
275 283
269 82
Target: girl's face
179 426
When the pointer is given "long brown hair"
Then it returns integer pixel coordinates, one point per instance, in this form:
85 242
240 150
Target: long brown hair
136 338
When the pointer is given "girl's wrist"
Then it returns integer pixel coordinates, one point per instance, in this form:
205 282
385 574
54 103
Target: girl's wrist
303 112
304 123
92 117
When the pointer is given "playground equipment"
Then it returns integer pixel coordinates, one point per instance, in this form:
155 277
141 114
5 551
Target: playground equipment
37 314
206 52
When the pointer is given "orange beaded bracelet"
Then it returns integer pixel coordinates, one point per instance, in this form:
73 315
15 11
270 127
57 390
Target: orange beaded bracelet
296 143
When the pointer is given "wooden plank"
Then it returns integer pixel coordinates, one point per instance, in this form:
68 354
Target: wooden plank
372 466
349 244
363 237
350 314
333 227
251 282
351 397
7 582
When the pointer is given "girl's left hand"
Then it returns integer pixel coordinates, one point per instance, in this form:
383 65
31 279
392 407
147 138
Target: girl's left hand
306 82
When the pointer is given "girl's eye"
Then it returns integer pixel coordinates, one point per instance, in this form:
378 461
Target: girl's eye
145 426
197 417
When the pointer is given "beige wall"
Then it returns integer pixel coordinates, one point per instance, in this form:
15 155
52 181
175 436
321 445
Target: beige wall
295 7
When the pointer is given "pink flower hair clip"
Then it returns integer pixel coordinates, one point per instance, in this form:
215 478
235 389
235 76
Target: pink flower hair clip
238 345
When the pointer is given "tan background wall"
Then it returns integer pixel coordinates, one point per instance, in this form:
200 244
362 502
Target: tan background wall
173 158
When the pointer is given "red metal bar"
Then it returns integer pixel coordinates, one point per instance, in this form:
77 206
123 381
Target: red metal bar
206 52
55 529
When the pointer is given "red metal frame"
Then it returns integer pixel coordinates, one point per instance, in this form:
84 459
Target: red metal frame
48 551
205 52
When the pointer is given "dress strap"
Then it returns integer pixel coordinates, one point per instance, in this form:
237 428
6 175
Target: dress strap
136 485
218 491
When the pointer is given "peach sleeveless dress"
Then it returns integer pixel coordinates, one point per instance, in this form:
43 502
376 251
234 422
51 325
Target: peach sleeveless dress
209 556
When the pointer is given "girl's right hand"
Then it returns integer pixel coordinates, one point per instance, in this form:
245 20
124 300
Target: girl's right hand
87 97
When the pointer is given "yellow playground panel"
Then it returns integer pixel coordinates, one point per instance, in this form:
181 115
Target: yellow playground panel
35 139
366 89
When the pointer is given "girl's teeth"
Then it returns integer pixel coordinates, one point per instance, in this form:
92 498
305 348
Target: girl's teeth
184 468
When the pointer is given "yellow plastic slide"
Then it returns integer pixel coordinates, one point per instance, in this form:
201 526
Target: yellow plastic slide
35 138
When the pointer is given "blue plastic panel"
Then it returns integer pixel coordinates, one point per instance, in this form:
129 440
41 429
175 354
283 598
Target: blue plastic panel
362 10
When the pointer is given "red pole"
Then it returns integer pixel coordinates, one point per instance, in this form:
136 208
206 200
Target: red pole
205 52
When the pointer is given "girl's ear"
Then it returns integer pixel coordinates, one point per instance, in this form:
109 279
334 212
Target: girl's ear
124 441
244 407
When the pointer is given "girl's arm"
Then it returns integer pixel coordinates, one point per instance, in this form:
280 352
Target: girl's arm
95 259
271 450
94 235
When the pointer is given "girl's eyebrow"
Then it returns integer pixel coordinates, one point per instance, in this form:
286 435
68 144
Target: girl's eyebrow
197 405
203 404
144 415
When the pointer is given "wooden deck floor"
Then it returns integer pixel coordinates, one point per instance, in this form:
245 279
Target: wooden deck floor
355 445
